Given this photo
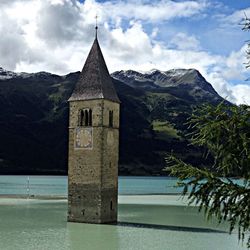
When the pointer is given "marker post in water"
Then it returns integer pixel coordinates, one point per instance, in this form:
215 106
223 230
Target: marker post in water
28 186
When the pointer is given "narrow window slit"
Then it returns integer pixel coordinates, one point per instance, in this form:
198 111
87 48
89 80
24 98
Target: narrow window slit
111 118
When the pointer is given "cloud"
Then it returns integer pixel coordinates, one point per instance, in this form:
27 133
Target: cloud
140 52
235 67
152 11
127 43
13 47
56 35
57 22
10 3
183 41
241 93
236 17
38 29
228 70
222 87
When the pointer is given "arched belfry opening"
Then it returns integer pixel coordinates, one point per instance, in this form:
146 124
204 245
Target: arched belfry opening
90 117
81 118
86 114
85 118
94 111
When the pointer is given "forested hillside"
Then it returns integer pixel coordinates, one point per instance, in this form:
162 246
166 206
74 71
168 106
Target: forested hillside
154 109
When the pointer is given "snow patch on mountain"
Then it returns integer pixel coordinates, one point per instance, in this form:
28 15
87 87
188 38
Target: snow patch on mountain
6 74
178 72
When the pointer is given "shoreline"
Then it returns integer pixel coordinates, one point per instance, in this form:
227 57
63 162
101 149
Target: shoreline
145 199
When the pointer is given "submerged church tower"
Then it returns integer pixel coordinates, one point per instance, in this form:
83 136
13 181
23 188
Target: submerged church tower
94 110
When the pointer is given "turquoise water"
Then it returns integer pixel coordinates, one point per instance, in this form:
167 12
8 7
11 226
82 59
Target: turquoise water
57 185
29 224
146 221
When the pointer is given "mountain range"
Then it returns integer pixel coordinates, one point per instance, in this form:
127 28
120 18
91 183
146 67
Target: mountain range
155 106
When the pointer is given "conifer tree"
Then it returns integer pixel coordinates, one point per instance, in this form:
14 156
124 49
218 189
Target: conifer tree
225 133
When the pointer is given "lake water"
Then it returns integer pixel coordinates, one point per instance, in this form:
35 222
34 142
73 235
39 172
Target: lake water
146 220
57 185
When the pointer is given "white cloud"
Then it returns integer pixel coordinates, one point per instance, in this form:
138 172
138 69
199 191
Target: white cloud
183 41
155 32
57 22
222 87
152 11
231 69
43 31
13 46
241 93
235 67
56 35
236 17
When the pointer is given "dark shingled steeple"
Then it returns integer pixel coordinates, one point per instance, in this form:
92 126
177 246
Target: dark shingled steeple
94 81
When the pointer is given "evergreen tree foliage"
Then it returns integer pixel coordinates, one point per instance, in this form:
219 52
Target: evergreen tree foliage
225 133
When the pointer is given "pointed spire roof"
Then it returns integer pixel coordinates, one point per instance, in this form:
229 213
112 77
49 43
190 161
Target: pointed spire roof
94 81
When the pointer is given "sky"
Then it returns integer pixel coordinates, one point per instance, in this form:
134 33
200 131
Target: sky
56 36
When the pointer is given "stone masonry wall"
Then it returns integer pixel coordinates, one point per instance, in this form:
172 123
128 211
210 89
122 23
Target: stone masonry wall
93 172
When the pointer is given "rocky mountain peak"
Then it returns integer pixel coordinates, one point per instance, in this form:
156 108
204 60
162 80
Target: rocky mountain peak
5 74
183 80
162 77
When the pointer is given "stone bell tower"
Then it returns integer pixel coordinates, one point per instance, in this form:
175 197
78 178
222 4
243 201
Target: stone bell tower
93 144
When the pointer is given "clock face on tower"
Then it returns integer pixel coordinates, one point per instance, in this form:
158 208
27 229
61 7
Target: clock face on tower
83 138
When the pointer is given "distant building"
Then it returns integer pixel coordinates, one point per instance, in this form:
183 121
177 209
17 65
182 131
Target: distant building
94 111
